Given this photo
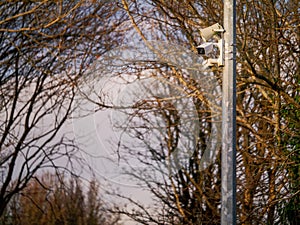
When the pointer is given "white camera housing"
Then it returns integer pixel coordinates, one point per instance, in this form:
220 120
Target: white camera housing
205 48
208 32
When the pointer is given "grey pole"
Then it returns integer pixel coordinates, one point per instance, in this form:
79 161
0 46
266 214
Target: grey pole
228 170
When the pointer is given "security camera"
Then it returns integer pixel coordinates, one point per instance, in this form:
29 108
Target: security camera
208 32
205 48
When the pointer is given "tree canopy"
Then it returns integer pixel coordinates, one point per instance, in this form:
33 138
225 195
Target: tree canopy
54 51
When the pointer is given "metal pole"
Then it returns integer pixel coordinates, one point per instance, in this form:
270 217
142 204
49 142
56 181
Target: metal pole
228 178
